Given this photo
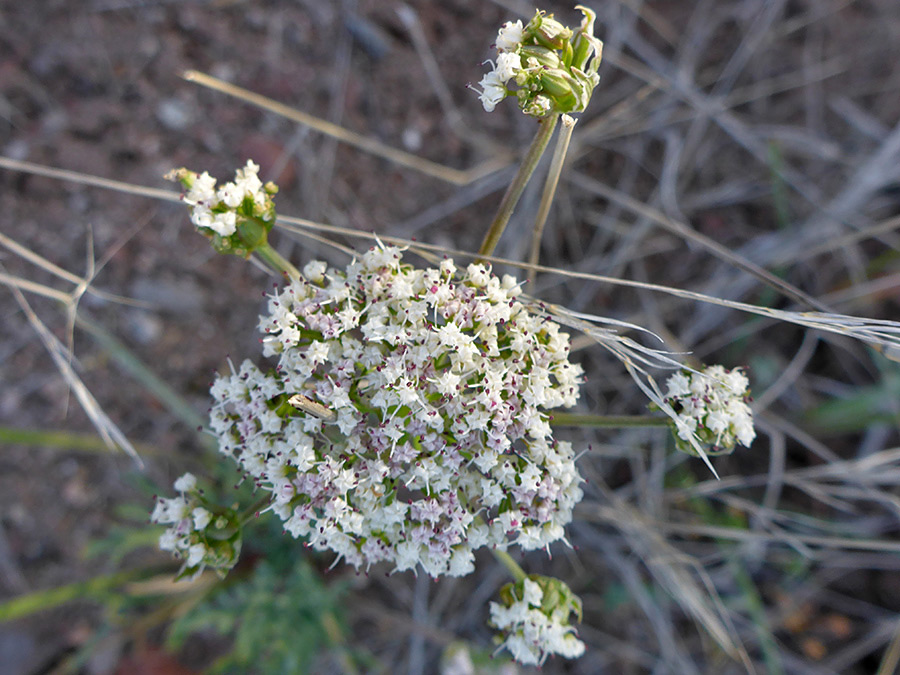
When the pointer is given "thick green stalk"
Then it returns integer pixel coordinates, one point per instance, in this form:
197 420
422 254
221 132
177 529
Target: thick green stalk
253 511
514 569
515 189
276 261
606 421
506 559
559 157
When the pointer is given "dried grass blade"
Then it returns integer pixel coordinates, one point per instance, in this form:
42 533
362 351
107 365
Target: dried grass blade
670 567
107 429
370 145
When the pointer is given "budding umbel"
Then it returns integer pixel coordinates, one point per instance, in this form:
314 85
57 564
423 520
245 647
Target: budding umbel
533 618
553 67
237 216
711 408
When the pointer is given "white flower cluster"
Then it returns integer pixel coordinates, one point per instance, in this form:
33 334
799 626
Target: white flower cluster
712 406
493 84
531 631
553 67
404 421
196 534
217 209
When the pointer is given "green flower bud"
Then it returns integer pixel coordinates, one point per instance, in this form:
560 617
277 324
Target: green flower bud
586 46
537 106
547 31
542 56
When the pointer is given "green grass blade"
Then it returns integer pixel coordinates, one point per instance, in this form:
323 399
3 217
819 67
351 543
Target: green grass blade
63 440
97 589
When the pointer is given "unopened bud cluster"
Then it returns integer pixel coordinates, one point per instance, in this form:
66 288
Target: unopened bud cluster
534 620
404 421
236 216
199 533
553 67
712 407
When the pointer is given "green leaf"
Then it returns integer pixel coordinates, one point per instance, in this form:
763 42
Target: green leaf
279 618
876 404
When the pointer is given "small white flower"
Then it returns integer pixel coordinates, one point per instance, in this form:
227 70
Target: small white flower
231 194
315 271
195 554
201 216
224 224
169 511
203 191
201 518
510 35
251 168
186 482
492 91
508 64
532 593
247 180
477 274
679 385
168 541
736 381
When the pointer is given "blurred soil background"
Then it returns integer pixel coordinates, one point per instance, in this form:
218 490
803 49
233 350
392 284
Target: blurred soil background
770 128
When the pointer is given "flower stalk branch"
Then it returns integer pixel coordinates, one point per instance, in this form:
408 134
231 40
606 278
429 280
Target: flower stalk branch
607 421
511 565
515 189
276 261
559 158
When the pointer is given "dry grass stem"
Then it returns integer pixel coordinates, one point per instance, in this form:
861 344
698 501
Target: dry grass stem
107 429
365 143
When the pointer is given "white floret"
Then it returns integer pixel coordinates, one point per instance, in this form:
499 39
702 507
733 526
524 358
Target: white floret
510 35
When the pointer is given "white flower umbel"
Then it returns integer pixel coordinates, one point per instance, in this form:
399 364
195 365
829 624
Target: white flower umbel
712 406
405 403
196 534
534 620
236 216
216 209
553 66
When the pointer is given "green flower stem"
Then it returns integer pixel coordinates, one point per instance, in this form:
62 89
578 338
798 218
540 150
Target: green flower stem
611 421
276 261
515 189
559 156
252 511
506 559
